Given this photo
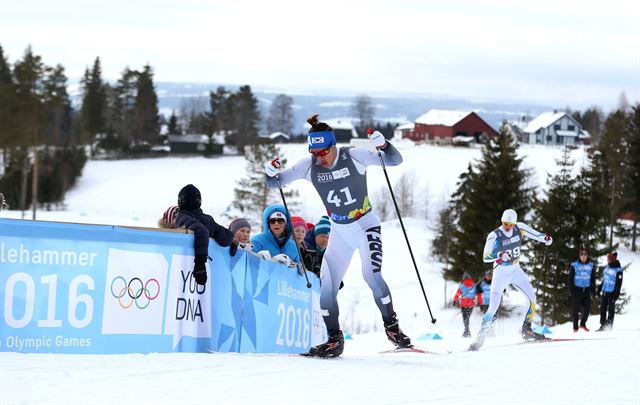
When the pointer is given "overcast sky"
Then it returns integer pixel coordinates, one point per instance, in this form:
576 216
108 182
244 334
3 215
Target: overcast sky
558 53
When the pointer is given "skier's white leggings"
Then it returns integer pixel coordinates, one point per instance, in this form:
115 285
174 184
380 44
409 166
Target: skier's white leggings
502 277
365 235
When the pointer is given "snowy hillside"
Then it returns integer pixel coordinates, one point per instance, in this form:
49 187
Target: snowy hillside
602 369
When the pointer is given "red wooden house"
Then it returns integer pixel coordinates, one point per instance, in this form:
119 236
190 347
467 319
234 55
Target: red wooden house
441 126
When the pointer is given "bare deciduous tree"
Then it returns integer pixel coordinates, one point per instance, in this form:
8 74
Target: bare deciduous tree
363 110
281 116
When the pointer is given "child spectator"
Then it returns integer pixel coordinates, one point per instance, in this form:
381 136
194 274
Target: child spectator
168 220
241 229
275 240
299 230
190 216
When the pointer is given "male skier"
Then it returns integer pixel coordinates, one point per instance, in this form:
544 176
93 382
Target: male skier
503 248
340 177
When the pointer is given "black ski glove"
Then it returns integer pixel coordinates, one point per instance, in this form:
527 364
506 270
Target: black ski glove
200 270
233 248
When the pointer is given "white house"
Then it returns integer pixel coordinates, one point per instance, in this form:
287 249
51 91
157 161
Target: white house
553 128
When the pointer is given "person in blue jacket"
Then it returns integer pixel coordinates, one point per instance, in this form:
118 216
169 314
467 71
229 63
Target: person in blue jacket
610 289
485 290
191 217
582 285
275 241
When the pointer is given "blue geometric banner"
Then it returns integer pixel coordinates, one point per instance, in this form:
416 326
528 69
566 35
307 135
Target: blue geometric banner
73 288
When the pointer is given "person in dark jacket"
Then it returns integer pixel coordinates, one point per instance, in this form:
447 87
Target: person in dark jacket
466 296
582 286
315 244
610 289
203 226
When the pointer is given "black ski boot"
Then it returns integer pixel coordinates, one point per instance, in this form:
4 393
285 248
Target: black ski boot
395 335
466 334
529 334
331 348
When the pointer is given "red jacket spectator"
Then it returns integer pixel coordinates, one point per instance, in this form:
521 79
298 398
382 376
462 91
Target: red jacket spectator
467 294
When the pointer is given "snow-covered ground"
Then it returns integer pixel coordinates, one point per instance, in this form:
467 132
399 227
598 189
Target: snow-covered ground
136 192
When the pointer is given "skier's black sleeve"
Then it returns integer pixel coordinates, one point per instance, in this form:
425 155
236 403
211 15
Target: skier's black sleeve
391 155
219 233
572 273
593 280
616 291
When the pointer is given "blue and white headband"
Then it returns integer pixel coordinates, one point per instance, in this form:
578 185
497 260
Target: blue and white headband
322 139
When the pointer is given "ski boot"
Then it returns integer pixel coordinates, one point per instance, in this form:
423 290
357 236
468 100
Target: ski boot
331 348
395 335
529 334
466 334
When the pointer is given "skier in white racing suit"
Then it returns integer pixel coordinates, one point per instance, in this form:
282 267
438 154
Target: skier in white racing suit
503 249
339 176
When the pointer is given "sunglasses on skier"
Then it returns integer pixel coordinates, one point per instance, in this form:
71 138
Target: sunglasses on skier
276 221
321 152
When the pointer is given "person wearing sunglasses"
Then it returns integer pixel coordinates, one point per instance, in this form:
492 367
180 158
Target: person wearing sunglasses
502 248
339 175
275 241
582 285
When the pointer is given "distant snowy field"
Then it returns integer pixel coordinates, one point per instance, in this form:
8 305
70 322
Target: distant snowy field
136 192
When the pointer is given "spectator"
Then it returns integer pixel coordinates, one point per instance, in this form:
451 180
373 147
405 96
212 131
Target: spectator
169 217
241 229
466 298
485 292
190 216
299 230
610 288
315 244
582 286
275 241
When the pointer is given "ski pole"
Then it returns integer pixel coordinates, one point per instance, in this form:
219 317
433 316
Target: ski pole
393 197
284 202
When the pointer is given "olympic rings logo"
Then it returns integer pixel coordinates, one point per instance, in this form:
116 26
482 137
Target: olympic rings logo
134 289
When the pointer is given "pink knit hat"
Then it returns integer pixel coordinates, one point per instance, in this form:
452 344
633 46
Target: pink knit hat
298 221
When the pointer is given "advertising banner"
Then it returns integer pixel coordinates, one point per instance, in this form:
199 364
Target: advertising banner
72 288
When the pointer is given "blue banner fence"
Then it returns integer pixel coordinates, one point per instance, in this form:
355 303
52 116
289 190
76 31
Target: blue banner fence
76 288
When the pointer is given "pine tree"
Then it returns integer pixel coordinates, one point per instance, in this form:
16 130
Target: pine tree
146 123
614 151
7 106
484 191
58 110
252 194
632 188
441 244
556 212
247 117
575 210
172 126
29 74
123 110
94 103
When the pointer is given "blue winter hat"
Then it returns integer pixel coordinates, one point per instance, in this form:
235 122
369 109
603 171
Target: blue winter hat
323 227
